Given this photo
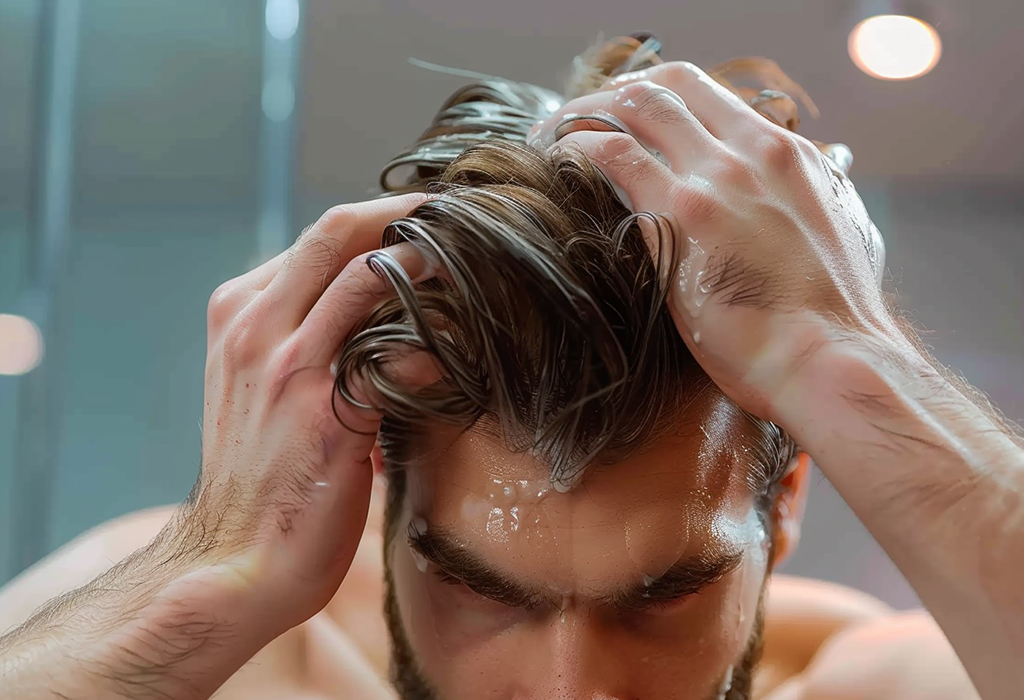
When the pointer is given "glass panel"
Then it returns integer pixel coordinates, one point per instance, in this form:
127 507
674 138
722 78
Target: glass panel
164 193
18 33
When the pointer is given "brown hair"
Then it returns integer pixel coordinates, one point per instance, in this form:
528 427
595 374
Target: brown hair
551 321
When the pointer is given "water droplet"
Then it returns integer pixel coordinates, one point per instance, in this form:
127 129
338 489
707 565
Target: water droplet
726 684
420 560
496 524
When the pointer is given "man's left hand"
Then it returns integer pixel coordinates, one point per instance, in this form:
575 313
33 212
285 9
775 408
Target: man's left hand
778 255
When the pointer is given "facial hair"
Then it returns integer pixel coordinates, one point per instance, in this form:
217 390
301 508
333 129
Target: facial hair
411 684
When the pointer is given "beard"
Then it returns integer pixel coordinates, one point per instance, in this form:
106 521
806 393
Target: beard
411 684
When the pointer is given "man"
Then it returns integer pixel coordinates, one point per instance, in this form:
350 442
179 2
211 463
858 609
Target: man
640 579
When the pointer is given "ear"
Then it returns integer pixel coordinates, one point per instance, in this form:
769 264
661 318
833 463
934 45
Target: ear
789 508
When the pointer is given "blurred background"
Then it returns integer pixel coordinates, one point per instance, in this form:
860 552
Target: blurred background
151 150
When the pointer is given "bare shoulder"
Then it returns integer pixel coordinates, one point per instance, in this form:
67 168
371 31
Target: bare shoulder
903 655
801 615
829 642
78 562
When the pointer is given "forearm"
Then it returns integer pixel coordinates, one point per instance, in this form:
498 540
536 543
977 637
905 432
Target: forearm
938 479
145 629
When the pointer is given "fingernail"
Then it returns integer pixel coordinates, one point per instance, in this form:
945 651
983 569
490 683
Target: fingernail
599 120
416 264
544 137
841 155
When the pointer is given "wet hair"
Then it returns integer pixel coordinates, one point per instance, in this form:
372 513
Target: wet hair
550 325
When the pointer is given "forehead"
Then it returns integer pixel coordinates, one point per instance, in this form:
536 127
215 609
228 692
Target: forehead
685 492
706 445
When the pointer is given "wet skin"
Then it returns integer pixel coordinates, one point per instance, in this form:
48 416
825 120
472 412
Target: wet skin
645 579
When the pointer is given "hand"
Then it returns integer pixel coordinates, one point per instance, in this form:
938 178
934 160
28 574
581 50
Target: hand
271 526
777 297
779 257
282 498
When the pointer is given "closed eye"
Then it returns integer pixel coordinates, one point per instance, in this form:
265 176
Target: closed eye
501 597
458 567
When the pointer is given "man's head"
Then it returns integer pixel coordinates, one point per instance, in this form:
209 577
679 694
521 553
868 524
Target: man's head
574 510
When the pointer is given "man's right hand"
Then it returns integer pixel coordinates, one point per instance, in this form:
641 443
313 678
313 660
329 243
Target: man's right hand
271 526
284 488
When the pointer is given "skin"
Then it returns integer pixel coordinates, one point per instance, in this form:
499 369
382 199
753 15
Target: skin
274 522
821 639
574 554
788 323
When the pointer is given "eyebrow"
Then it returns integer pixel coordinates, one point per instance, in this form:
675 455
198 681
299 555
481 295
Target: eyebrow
457 561
686 577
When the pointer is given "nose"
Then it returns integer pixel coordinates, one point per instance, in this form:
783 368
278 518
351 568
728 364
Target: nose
586 660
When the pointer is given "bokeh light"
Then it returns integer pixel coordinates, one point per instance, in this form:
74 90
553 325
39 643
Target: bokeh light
894 47
21 344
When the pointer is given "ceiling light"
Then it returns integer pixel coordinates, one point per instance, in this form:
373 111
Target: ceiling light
894 47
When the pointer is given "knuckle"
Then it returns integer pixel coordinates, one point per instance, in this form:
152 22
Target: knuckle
651 97
681 75
615 147
695 206
739 173
635 93
783 150
661 105
239 348
320 254
338 217
223 305
361 282
323 238
677 72
283 363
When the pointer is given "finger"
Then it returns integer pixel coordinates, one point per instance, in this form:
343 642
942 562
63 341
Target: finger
234 295
323 252
353 293
259 277
642 182
723 113
655 116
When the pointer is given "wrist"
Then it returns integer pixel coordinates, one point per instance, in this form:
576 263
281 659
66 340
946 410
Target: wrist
935 477
190 635
812 360
150 627
843 375
913 456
